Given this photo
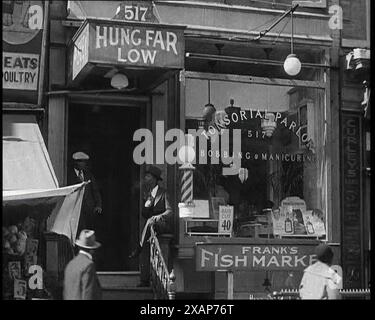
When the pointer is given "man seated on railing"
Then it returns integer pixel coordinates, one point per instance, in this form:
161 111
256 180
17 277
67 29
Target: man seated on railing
158 213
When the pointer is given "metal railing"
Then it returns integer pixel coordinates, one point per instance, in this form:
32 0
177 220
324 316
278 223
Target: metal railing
162 281
293 294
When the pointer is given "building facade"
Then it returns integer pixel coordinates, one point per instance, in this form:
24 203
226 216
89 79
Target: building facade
296 149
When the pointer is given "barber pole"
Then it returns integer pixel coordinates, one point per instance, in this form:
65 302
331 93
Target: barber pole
187 186
186 155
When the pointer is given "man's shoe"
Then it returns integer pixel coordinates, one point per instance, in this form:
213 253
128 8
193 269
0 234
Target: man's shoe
135 253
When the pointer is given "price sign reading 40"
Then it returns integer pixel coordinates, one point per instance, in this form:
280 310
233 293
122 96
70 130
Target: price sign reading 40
225 219
136 11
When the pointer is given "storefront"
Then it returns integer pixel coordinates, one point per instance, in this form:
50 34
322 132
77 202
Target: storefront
102 114
267 153
267 150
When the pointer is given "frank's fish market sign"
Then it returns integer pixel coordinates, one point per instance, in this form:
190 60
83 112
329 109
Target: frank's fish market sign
222 257
127 44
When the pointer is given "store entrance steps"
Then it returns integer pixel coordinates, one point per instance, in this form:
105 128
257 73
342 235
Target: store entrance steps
123 286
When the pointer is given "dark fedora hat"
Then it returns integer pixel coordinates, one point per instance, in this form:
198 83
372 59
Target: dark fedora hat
155 171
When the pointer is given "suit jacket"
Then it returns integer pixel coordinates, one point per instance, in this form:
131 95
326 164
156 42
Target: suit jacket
91 197
160 208
80 280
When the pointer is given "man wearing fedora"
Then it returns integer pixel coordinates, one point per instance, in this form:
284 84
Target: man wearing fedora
158 213
80 278
92 201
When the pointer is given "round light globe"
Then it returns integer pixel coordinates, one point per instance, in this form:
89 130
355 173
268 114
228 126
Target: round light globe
292 65
186 154
119 81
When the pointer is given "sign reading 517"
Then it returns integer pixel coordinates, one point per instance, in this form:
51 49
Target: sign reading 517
140 11
225 219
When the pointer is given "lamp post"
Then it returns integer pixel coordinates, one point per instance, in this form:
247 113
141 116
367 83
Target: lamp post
186 155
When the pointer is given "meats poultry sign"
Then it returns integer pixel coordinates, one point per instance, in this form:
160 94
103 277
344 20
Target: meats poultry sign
109 42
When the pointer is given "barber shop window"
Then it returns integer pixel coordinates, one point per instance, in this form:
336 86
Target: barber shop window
266 170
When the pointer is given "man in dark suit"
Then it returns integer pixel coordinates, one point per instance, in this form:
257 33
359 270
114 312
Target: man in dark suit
92 201
158 213
80 278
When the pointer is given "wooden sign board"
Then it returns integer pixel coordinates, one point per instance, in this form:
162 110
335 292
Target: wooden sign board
125 44
229 257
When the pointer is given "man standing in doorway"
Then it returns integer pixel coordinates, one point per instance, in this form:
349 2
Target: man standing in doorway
92 201
158 213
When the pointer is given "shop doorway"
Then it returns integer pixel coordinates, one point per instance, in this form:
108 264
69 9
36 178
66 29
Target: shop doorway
106 134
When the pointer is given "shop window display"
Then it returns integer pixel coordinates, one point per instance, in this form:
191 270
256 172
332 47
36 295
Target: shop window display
276 186
22 253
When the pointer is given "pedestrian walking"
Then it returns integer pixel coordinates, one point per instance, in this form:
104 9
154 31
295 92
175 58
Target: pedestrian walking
80 278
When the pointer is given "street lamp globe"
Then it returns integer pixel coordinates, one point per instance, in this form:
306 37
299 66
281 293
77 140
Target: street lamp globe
292 65
186 154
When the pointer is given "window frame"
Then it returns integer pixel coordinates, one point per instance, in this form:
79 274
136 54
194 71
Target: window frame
330 206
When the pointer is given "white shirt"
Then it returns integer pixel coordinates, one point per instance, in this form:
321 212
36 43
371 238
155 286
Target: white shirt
86 254
78 173
153 194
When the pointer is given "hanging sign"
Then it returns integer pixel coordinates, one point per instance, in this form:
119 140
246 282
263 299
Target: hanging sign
117 43
225 219
22 42
351 198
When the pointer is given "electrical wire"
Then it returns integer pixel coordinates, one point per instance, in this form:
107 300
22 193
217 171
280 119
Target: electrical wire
268 22
282 29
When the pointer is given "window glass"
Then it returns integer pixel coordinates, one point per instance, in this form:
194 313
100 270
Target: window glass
265 152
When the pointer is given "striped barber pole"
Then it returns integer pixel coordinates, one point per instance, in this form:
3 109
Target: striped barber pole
187 186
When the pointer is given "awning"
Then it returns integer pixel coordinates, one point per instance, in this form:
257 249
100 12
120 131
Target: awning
66 203
26 163
29 179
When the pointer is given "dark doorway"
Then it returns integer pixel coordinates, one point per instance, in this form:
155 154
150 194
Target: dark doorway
106 134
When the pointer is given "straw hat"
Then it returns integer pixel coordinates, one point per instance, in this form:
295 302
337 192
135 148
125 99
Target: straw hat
87 240
80 156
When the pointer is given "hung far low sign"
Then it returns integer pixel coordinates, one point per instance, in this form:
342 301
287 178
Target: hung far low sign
127 44
231 257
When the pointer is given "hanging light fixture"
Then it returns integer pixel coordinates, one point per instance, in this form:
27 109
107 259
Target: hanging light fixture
119 81
209 108
268 124
292 65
